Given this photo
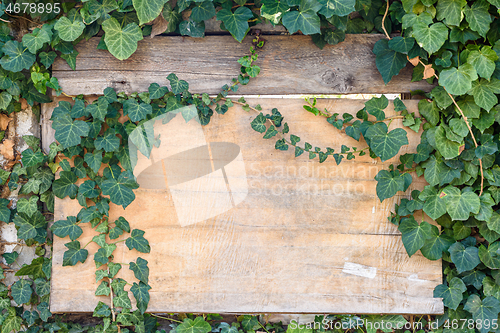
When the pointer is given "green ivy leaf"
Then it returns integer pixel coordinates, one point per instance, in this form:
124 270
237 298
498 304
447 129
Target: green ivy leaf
30 317
376 106
457 81
35 40
434 246
109 142
140 269
12 324
490 256
465 259
430 38
157 92
337 7
94 160
28 206
74 254
122 300
449 149
434 206
236 23
141 294
42 287
484 310
259 123
460 204
138 242
483 61
452 294
68 132
118 192
414 235
198 325
121 43
478 17
21 291
16 57
68 227
305 19
388 184
178 86
47 59
101 310
136 111
69 30
484 92
272 10
98 109
148 10
31 158
65 185
451 11
429 111
385 145
122 224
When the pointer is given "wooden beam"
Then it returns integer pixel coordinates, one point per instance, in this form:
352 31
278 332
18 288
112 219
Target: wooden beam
289 65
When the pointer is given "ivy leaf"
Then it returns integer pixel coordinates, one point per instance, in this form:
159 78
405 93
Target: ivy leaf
436 244
465 259
414 235
483 61
42 287
337 7
30 317
141 294
68 227
100 258
35 40
94 160
21 291
430 38
74 254
478 17
28 207
449 149
178 86
68 132
122 300
385 145
484 92
452 294
10 258
5 99
65 185
115 232
198 325
121 43
69 30
122 224
376 106
457 81
388 184
101 310
434 206
12 324
272 10
305 19
16 57
140 269
485 310
490 256
429 111
451 10
460 204
136 111
148 10
118 192
259 123
155 91
98 109
31 158
236 23
137 241
109 142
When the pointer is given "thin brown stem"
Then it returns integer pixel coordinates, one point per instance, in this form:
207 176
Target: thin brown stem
470 131
166 318
383 20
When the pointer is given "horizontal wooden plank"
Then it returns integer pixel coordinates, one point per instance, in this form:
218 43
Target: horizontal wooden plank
306 238
289 65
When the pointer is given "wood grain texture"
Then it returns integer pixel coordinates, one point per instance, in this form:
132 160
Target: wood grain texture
308 237
289 65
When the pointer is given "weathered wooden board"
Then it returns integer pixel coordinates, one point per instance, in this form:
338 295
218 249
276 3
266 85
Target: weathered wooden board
289 65
307 238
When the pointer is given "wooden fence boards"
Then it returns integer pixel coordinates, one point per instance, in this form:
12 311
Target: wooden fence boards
289 65
308 238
